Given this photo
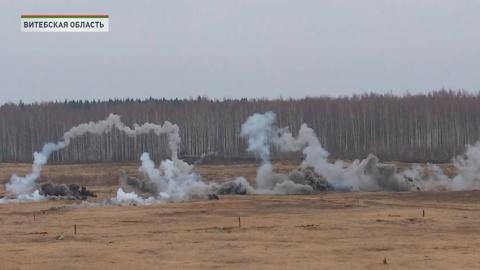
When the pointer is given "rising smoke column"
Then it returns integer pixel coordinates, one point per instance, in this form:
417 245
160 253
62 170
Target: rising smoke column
360 175
261 131
258 129
26 184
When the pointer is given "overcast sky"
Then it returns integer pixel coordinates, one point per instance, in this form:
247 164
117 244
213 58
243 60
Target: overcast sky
244 48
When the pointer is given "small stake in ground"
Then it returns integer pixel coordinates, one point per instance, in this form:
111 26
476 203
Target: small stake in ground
385 260
61 237
423 213
239 222
75 229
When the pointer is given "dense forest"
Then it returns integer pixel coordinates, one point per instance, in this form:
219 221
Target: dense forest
427 127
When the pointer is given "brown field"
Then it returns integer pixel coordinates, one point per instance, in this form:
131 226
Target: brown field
106 174
326 231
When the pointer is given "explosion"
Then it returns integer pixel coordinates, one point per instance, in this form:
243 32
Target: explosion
174 180
360 175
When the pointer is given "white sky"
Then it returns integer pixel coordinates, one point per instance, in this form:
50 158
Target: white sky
243 48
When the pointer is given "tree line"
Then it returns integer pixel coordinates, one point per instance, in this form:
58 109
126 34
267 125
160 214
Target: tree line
417 128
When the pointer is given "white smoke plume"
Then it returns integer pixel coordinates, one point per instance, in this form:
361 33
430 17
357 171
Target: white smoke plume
364 175
130 197
360 175
468 169
172 181
261 131
26 184
35 196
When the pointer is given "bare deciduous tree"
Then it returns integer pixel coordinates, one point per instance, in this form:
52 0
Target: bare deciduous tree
429 127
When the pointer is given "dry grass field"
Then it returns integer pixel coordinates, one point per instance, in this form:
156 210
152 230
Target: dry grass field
106 174
429 230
